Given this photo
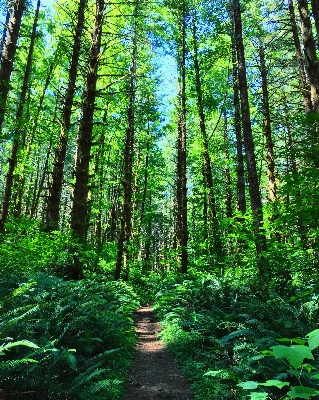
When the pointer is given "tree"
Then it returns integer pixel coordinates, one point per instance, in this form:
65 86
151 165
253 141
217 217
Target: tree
207 170
54 199
255 197
311 60
270 157
181 190
126 217
79 214
18 137
7 56
301 64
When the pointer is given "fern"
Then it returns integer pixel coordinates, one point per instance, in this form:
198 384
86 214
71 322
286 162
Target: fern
8 346
6 367
86 376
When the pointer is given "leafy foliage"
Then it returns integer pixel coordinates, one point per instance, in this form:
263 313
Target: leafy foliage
218 329
66 340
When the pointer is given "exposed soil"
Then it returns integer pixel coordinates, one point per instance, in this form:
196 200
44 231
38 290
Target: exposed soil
154 375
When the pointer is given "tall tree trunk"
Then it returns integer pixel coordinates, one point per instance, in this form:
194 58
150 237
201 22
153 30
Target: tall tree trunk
241 195
4 33
79 213
229 210
312 64
315 13
145 183
181 194
126 218
255 197
272 186
207 170
54 199
305 88
8 55
21 184
38 187
18 134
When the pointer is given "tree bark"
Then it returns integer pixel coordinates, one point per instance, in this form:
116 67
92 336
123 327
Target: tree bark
315 13
207 170
54 199
312 64
126 218
79 207
181 193
255 197
18 135
270 157
241 195
21 184
4 33
229 210
8 55
305 88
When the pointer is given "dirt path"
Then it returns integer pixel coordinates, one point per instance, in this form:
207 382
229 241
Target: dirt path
155 375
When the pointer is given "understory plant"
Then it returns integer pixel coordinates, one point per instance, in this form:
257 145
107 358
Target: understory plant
293 358
65 339
217 327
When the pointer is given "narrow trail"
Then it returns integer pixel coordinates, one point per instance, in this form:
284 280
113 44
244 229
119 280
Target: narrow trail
154 375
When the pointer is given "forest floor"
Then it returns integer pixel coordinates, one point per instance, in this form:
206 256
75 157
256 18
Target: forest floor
154 374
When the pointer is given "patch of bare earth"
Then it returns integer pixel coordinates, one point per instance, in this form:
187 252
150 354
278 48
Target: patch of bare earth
154 375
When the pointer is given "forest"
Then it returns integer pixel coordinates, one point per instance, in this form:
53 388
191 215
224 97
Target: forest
162 152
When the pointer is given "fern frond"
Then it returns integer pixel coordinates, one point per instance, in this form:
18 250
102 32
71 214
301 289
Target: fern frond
105 384
26 343
87 375
8 366
7 325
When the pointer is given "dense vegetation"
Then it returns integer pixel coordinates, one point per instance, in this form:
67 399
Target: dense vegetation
162 152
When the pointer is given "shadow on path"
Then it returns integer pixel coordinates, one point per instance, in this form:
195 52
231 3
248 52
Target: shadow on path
154 375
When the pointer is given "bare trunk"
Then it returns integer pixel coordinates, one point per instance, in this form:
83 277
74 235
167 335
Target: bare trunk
267 128
241 195
315 13
229 210
8 56
181 195
126 219
305 88
23 178
312 64
79 213
145 181
4 33
18 135
206 157
54 199
255 198
38 188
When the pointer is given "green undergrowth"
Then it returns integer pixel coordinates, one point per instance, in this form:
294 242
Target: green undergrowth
64 339
218 329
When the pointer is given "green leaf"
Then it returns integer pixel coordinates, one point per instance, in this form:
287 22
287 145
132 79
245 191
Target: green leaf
268 353
295 354
313 339
258 396
259 357
275 382
294 340
214 373
308 367
26 343
248 385
302 392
